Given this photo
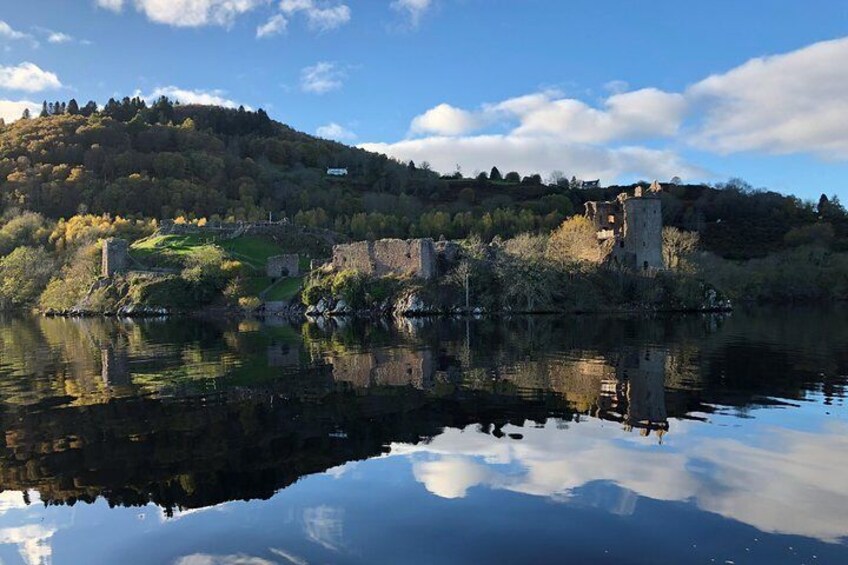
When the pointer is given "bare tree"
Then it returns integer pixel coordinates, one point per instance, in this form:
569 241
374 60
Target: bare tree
677 245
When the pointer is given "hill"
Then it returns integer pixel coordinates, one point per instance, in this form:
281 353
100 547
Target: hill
74 175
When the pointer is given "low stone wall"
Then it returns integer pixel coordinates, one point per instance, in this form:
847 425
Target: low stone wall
410 257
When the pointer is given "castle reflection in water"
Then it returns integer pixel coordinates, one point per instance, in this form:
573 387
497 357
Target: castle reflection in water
190 414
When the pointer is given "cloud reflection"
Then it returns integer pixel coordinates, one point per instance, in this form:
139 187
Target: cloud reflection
781 481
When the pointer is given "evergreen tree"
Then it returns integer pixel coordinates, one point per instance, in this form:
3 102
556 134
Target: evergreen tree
89 109
26 115
73 107
495 174
44 111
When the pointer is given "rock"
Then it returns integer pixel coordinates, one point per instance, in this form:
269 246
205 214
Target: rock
321 307
341 308
411 305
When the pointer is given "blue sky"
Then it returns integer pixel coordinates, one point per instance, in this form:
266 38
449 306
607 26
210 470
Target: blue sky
616 90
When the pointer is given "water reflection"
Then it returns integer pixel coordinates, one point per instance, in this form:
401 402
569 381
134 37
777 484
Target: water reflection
740 417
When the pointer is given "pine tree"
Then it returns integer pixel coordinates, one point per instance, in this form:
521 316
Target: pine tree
89 109
44 112
495 174
73 107
26 115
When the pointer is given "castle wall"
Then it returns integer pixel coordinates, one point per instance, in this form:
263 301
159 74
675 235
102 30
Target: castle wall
412 257
281 266
114 257
385 367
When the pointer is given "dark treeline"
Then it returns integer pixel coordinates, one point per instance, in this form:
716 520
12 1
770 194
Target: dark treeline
166 160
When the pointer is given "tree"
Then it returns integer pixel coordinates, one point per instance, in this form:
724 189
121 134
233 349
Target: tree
26 115
24 274
677 245
573 241
73 107
44 111
89 109
513 177
556 177
495 174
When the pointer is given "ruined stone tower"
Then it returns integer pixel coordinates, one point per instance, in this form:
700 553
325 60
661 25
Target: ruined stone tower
632 226
115 257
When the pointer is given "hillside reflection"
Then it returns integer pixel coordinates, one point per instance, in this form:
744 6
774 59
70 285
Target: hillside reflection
188 414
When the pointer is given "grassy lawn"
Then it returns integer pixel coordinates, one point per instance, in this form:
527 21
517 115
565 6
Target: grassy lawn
255 250
285 289
255 285
169 250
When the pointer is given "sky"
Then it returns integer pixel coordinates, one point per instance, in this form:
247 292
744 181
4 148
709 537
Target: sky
617 90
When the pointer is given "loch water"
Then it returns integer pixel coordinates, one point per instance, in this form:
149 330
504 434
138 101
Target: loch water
583 439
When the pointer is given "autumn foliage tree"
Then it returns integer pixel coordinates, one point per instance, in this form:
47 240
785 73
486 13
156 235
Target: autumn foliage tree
573 241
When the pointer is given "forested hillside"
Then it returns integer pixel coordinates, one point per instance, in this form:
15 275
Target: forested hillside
166 160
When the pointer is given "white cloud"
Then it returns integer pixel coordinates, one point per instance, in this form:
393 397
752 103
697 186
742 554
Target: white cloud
234 559
7 32
113 5
414 10
791 103
186 96
275 25
321 78
59 37
195 13
11 110
324 525
628 115
335 131
321 17
188 13
33 541
445 119
538 154
769 485
28 77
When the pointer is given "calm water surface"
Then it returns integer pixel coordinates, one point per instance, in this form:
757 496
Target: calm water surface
583 440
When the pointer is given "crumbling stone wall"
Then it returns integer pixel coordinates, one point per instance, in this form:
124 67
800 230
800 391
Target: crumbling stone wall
115 257
386 367
281 266
632 227
411 257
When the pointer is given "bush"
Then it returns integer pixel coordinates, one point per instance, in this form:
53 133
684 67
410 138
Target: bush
204 272
76 278
350 285
23 275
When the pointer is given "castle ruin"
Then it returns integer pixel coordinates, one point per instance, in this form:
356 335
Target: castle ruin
281 266
632 228
115 257
398 257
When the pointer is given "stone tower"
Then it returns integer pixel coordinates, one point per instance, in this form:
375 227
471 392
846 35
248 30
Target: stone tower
115 257
632 227
641 240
